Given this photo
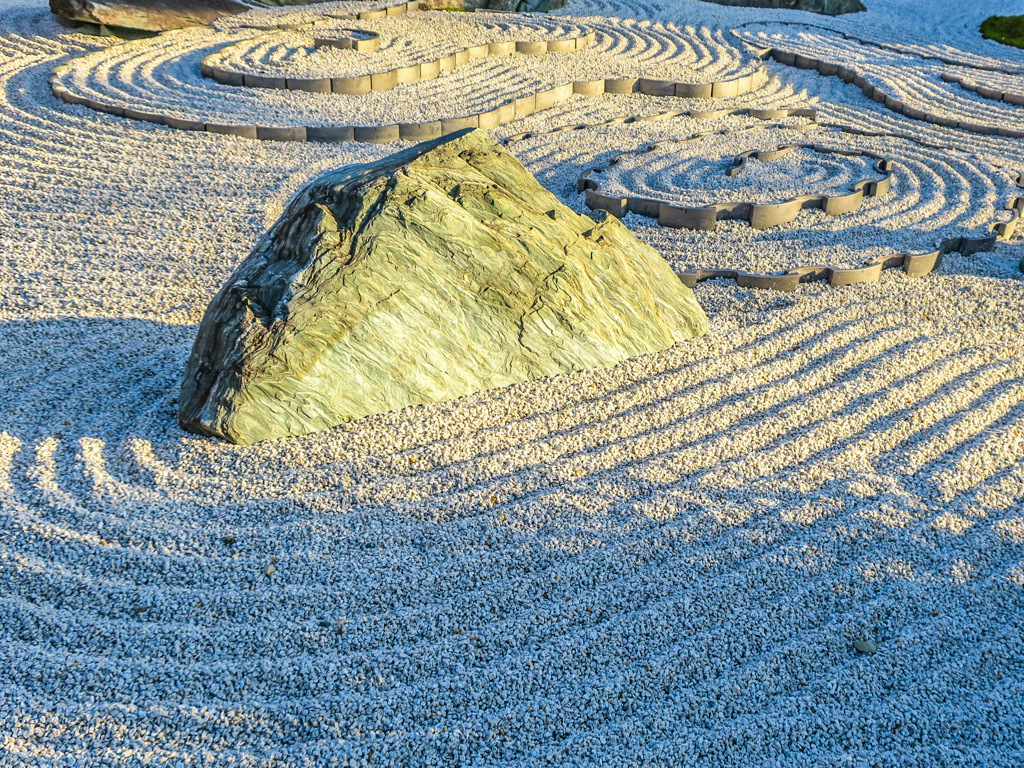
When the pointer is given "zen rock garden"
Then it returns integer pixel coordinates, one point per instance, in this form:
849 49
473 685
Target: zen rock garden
598 383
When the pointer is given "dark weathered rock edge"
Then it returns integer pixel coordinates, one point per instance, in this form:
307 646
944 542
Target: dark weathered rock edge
148 15
437 272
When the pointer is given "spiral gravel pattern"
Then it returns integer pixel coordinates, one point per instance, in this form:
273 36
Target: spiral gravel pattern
914 81
403 41
693 174
162 74
936 193
663 563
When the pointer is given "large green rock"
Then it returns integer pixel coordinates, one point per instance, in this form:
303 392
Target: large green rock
439 271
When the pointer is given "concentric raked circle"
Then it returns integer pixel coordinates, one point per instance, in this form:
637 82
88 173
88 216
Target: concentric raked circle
432 72
681 186
925 201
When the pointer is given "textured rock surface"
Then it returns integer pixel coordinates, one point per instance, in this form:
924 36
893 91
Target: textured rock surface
827 7
150 15
521 6
440 271
162 15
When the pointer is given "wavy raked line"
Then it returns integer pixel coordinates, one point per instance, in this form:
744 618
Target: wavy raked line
873 92
1010 97
759 215
387 79
914 264
507 112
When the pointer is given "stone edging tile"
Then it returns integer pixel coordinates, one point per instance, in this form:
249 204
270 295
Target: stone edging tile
382 81
895 48
913 264
1010 97
873 92
506 112
759 215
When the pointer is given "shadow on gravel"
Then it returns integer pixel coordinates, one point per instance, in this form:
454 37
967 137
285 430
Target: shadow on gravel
106 378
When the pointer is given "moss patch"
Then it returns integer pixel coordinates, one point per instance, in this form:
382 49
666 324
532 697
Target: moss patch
1008 30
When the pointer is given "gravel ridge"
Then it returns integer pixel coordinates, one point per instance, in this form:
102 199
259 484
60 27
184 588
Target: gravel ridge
663 563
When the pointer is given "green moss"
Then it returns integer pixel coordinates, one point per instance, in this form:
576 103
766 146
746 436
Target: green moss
1008 30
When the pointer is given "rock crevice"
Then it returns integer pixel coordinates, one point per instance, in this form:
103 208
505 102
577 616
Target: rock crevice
440 271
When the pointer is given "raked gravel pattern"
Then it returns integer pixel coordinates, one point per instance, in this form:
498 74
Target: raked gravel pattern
404 40
916 82
998 81
162 74
937 29
664 563
936 193
697 174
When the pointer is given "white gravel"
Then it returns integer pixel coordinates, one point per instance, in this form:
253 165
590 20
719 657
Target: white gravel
696 173
666 563
914 80
163 74
404 40
936 193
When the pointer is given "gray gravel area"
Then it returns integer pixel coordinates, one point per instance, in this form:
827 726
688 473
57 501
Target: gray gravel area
667 563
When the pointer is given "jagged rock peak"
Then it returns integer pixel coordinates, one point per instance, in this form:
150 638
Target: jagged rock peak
440 271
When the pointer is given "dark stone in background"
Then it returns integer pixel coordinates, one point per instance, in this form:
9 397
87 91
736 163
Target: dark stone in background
161 15
827 7
148 15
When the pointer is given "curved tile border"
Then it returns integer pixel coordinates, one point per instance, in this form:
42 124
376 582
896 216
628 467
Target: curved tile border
913 264
895 48
505 112
759 215
873 92
382 81
1010 97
